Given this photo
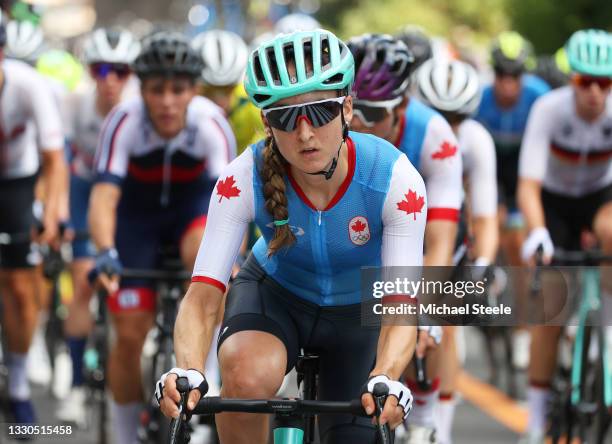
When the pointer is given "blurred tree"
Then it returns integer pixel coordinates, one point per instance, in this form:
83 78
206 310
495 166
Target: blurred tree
549 23
438 17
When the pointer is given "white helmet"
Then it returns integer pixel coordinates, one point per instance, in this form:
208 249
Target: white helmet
296 22
225 57
449 85
105 45
24 40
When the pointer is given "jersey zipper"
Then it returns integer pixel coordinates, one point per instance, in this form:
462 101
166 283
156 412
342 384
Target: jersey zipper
319 217
164 199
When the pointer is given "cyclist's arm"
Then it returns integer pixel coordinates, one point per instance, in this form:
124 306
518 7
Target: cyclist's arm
443 176
402 247
483 191
44 111
226 224
533 161
103 214
54 177
110 167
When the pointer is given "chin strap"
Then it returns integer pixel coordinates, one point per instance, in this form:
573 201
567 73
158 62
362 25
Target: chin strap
334 163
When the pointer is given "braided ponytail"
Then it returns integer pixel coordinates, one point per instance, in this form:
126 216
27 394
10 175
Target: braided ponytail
272 173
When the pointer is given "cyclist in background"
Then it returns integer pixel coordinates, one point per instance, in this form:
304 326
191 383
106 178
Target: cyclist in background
32 140
553 69
225 57
417 41
382 107
109 55
453 89
296 22
503 111
326 200
157 160
565 185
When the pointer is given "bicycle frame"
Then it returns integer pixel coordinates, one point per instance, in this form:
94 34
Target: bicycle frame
590 304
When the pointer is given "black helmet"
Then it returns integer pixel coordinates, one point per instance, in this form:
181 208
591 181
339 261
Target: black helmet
511 53
417 42
549 71
167 53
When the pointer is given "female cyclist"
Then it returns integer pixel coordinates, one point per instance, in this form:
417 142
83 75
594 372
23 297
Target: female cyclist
328 201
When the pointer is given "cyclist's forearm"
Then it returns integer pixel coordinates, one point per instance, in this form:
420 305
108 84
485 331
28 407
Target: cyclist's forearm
102 214
486 236
55 180
530 202
440 238
396 345
195 325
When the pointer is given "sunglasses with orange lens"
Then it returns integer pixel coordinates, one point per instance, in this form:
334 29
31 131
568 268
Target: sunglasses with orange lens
584 81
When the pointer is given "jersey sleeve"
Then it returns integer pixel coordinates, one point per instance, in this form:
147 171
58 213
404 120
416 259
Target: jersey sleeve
441 167
230 210
535 147
46 113
113 150
218 137
404 216
482 174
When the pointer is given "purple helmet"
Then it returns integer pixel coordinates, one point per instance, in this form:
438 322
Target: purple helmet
383 66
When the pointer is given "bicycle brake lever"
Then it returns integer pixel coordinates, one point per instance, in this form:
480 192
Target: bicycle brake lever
380 393
178 426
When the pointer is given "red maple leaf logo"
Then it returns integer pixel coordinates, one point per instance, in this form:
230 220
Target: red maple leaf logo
358 226
226 188
446 150
412 204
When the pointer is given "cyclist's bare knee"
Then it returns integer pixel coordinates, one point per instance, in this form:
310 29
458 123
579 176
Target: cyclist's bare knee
252 365
602 226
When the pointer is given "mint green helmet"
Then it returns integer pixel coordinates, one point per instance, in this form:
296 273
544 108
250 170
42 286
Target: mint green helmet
589 52
321 60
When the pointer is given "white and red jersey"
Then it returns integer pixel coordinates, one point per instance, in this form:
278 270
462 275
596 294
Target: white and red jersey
85 124
130 153
30 120
568 155
479 165
377 217
430 144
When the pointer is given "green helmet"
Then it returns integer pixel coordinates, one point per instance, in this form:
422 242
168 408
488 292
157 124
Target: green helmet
590 52
511 53
267 79
61 66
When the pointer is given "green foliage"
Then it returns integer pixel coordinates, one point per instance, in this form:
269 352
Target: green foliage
439 17
549 23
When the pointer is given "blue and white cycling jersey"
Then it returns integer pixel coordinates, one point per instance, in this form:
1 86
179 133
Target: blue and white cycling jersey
508 125
377 217
431 146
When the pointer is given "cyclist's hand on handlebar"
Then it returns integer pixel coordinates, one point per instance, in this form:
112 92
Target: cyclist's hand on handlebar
429 337
538 237
397 405
167 395
107 270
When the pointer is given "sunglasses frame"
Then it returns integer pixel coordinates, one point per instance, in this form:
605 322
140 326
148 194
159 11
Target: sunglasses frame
585 81
339 100
387 105
112 68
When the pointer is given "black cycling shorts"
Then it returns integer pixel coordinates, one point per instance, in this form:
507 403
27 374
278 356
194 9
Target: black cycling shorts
16 218
507 179
566 217
347 350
